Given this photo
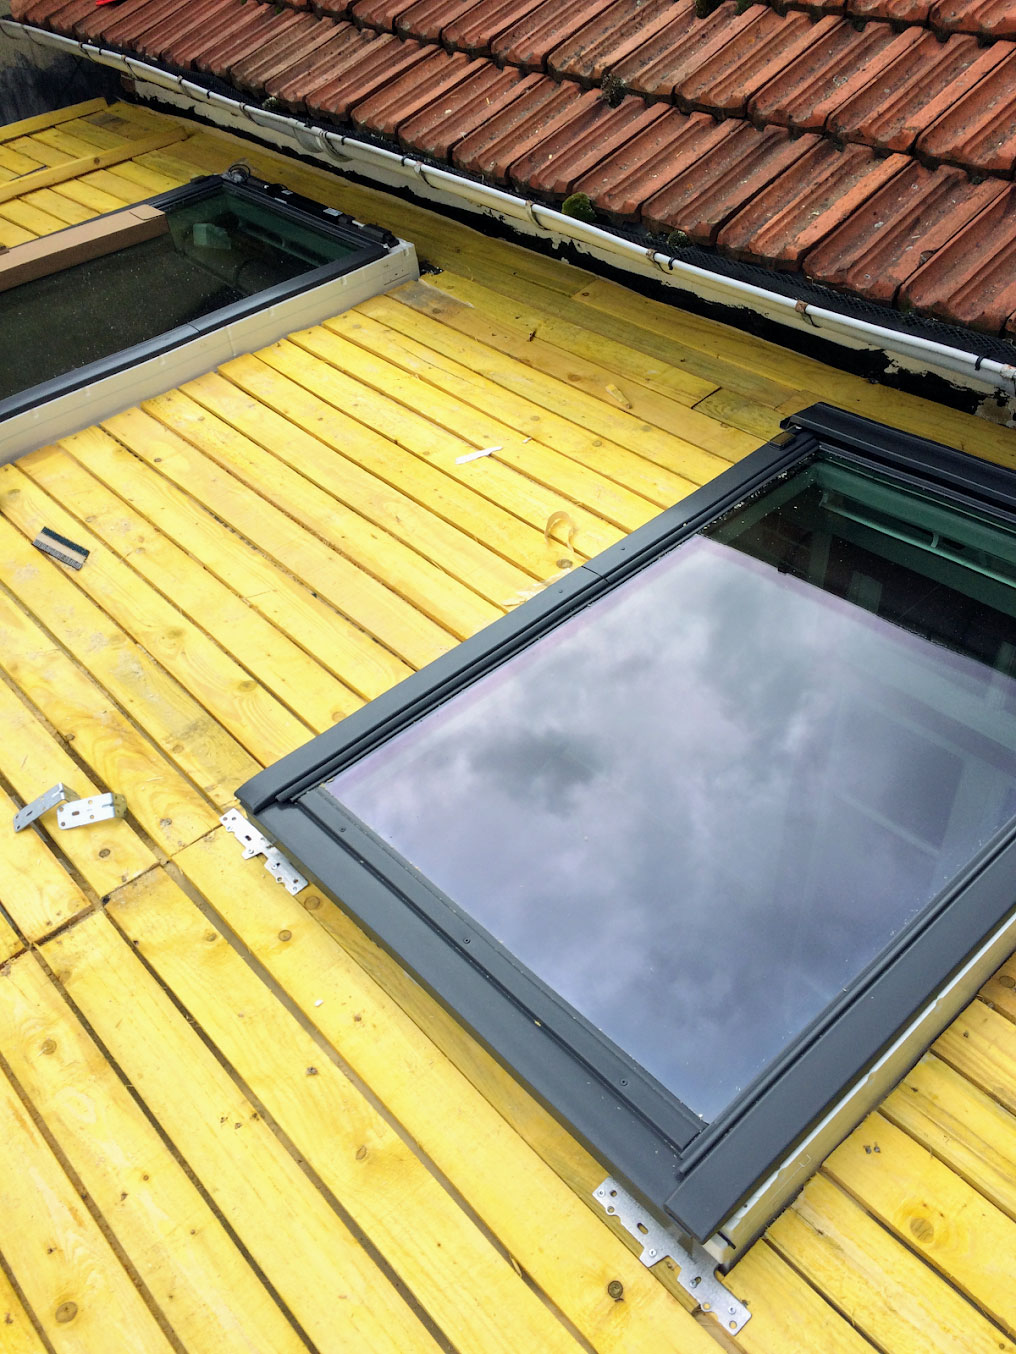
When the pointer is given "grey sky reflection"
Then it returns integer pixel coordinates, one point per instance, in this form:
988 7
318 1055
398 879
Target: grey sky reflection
663 809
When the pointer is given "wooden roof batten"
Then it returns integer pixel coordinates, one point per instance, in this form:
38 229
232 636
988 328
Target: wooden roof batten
229 1120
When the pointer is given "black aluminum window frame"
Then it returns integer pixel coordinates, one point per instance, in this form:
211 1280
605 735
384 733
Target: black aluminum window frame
369 243
697 1175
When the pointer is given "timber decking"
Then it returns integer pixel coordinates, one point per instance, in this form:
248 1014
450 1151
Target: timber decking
227 1120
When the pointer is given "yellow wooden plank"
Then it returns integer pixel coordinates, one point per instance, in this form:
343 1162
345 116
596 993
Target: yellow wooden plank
39 150
1000 989
787 1314
114 184
965 1128
35 888
80 1293
15 162
932 1210
424 483
231 695
67 142
527 402
451 417
774 362
426 586
183 1254
553 1234
148 180
444 294
981 1044
11 234
10 942
89 196
52 118
461 555
148 695
888 1293
475 1296
20 1336
108 744
285 669
94 159
749 416
345 650
604 400
30 218
488 476
105 854
65 209
322 1274
361 597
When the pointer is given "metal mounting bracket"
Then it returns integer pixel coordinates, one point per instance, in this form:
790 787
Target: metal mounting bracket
56 795
94 809
697 1269
255 843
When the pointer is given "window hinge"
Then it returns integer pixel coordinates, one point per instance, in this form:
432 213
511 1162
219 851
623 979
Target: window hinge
696 1269
255 843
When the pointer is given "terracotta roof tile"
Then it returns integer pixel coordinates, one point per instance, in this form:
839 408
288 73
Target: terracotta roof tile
636 171
121 29
895 232
579 144
62 14
519 128
699 204
332 9
972 279
189 42
432 79
679 49
978 132
806 203
528 43
730 77
896 11
986 18
337 38
249 28
426 19
176 27
608 38
380 14
102 18
436 129
914 91
840 63
382 61
479 26
303 38
302 82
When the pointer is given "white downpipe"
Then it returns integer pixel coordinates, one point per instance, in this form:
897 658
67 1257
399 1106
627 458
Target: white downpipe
442 185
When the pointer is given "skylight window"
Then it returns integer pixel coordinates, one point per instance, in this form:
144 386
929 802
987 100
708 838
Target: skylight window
695 837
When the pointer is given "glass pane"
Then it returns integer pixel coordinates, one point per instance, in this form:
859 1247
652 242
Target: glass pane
701 806
217 251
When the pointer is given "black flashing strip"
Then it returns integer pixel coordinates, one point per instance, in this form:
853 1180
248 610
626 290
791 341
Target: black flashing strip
697 1173
67 552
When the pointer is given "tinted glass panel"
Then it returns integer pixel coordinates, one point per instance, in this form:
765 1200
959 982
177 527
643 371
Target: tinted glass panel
217 251
702 805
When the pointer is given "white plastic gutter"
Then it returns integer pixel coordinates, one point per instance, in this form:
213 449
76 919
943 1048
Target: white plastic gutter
983 375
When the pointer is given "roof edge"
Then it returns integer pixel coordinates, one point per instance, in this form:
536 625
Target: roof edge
445 187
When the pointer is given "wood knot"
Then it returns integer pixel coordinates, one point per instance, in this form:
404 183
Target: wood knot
615 1290
67 1311
48 1046
361 1152
285 935
922 1230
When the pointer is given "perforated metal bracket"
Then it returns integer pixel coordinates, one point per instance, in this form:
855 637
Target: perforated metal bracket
94 809
696 1269
255 843
56 795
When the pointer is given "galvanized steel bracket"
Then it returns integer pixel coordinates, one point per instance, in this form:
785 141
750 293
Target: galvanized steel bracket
94 809
255 843
696 1270
55 795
